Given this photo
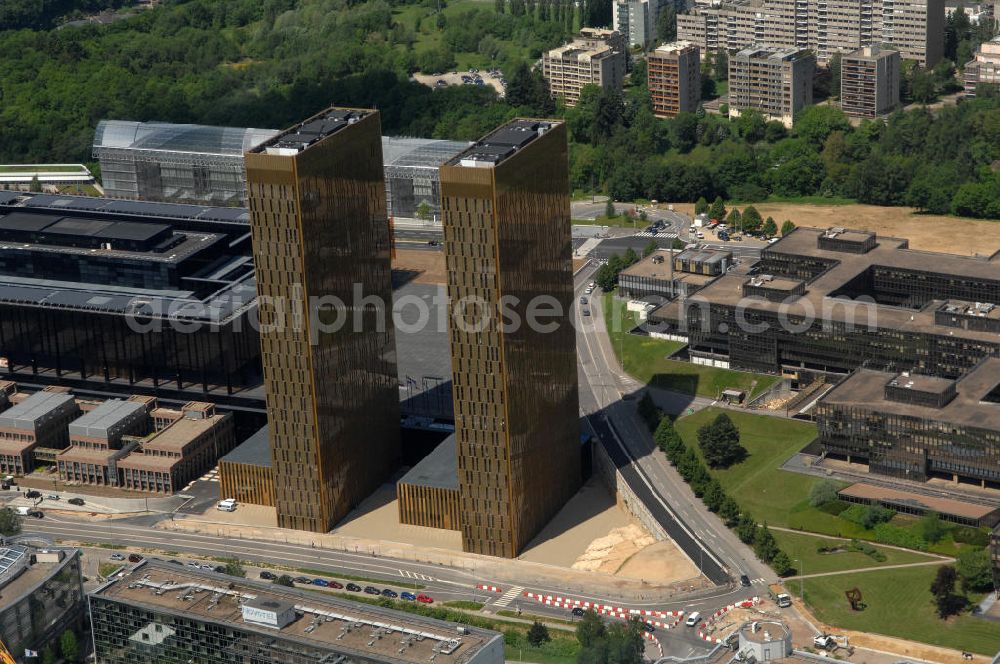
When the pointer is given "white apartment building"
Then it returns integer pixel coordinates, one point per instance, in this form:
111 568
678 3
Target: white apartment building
778 83
913 27
596 57
984 68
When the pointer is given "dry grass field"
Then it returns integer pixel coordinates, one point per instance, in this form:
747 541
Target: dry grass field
927 232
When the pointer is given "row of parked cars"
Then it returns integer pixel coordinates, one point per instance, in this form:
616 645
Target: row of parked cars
353 587
37 495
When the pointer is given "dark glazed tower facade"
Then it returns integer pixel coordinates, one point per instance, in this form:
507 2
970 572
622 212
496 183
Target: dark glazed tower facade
320 231
507 242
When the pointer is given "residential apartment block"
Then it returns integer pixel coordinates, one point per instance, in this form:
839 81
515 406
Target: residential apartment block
505 205
984 68
321 244
869 82
595 57
778 83
636 20
913 27
674 78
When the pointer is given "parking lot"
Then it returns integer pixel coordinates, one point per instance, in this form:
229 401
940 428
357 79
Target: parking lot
473 77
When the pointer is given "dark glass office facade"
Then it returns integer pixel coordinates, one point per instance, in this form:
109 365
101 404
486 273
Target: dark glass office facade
38 617
507 235
320 232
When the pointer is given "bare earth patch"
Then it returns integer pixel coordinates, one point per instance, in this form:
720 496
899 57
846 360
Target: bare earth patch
427 265
927 232
632 553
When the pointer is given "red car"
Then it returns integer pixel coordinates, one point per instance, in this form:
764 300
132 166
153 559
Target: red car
425 599
335 585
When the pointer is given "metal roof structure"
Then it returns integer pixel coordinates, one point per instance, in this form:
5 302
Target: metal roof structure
107 419
254 451
13 560
439 469
39 406
190 138
418 152
138 208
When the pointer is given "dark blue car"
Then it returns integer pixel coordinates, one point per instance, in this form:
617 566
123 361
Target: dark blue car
320 582
408 596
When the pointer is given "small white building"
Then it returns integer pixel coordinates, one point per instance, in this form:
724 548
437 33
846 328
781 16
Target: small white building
765 640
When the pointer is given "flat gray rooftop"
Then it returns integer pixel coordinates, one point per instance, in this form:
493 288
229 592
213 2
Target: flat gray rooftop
254 451
865 390
439 469
39 405
97 423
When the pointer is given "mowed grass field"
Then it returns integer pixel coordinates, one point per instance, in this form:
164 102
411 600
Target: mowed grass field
645 359
898 603
801 548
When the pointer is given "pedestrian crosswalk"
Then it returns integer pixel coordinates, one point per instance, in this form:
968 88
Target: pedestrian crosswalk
415 575
512 593
665 236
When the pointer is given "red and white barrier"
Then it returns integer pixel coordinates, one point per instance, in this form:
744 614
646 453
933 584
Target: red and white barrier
656 641
492 589
668 619
745 604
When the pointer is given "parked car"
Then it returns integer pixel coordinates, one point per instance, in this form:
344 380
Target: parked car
175 562
322 583
76 501
335 585
117 556
577 611
134 558
38 514
207 567
425 599
353 587
784 600
584 300
193 564
390 593
219 569
52 496
268 576
302 579
648 626
372 590
744 580
408 596
825 642
693 619
33 494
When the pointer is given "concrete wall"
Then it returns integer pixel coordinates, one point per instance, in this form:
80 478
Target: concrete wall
606 470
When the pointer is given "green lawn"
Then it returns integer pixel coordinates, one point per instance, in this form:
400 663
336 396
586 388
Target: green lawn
899 603
801 548
645 359
777 496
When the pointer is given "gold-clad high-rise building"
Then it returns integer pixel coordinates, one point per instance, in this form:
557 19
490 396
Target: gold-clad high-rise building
507 243
320 241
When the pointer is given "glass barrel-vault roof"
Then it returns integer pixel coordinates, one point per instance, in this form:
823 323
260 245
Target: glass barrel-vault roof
228 141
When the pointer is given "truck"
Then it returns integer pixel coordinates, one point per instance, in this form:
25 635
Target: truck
700 220
23 511
825 642
784 600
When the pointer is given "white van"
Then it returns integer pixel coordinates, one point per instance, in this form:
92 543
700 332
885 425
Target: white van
693 619
227 505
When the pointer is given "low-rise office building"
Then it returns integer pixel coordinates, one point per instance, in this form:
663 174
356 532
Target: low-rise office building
595 57
245 473
666 274
776 82
674 78
100 438
917 426
156 612
869 82
428 495
41 596
983 68
851 299
976 515
39 420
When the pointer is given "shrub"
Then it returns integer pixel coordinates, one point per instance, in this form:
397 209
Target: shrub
867 516
970 535
897 536
835 508
822 493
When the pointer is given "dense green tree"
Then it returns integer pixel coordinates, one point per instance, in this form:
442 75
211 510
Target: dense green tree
932 528
948 602
666 24
782 564
774 131
609 209
834 67
720 442
751 219
590 629
822 493
701 206
765 546
718 209
816 123
538 634
729 511
787 227
10 522
746 528
49 656
975 568
69 648
769 228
